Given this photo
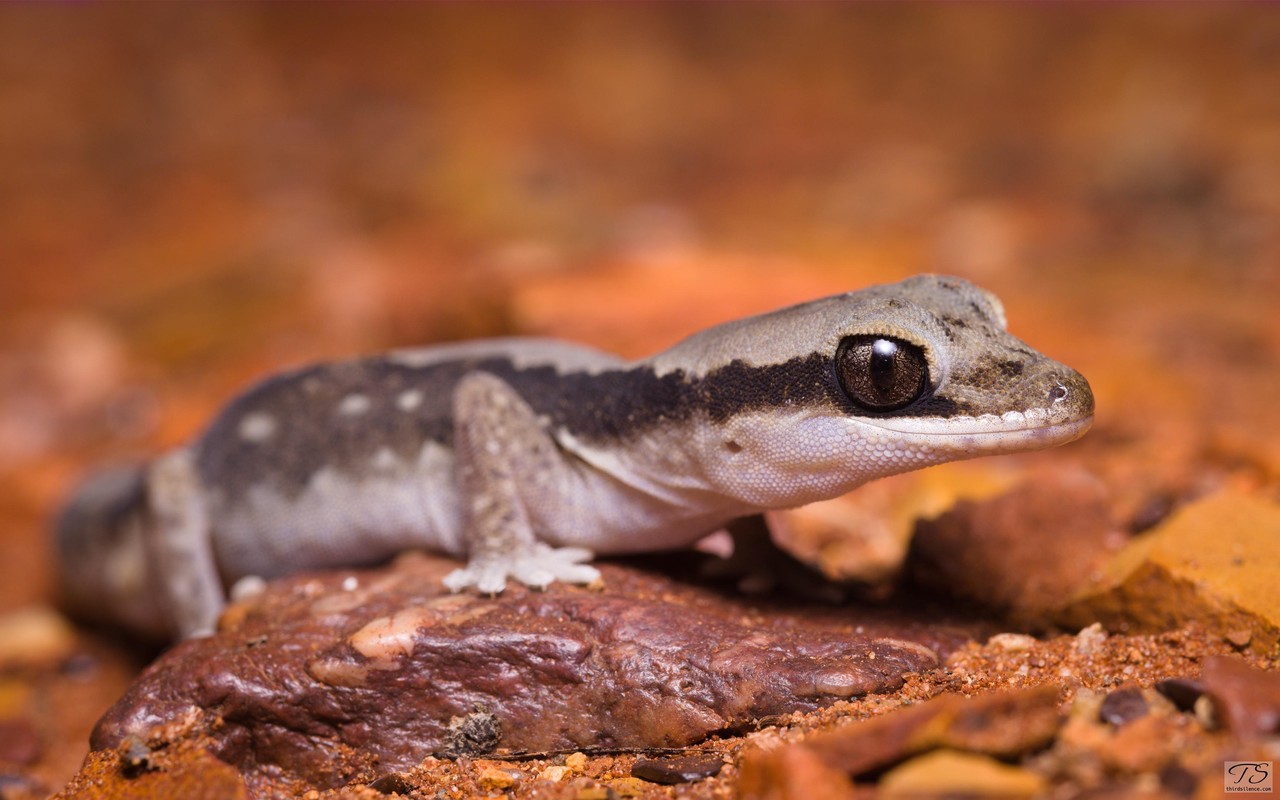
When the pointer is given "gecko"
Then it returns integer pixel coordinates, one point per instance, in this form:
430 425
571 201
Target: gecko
526 457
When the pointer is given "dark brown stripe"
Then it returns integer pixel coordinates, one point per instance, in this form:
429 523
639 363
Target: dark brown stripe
610 406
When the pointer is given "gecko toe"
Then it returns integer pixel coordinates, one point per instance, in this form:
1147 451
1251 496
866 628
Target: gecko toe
535 576
581 574
546 565
487 579
491 580
457 580
571 555
536 568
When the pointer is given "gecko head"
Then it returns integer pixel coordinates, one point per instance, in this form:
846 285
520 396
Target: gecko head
887 380
929 361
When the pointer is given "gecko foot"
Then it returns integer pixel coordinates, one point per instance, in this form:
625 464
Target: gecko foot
536 567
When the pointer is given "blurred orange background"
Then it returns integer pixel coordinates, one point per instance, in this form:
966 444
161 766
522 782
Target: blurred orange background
191 196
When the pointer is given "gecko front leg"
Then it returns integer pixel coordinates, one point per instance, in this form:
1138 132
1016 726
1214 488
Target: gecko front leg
182 545
504 455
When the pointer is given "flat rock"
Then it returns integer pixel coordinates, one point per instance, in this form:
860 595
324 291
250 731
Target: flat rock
323 677
1003 724
946 773
1210 563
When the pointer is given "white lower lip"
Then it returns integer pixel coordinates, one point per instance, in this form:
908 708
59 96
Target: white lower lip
994 429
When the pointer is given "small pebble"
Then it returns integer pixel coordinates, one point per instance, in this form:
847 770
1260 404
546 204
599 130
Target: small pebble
19 742
1151 513
1239 638
600 768
1123 706
135 756
81 665
1090 639
475 734
629 787
1207 713
392 783
576 761
1012 642
35 637
554 774
684 769
19 785
1182 692
494 778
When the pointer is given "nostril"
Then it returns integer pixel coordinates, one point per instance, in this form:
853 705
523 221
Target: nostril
1058 394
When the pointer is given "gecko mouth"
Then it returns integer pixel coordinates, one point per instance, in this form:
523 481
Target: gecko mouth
1059 408
990 433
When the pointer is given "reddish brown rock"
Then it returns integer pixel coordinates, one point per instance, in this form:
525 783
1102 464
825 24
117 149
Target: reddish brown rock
863 536
184 771
322 677
1021 553
1246 700
1003 724
790 773
1212 563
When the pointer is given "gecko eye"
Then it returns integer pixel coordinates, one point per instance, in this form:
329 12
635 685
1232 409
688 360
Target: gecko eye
880 373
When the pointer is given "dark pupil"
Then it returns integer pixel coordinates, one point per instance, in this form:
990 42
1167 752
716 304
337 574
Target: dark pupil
881 374
884 362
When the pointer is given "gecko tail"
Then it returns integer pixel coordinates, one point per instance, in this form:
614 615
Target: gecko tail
104 573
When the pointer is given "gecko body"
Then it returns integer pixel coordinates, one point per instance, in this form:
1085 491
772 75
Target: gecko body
526 456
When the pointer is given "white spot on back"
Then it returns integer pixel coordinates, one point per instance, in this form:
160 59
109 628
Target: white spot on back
353 405
523 352
385 459
409 400
257 427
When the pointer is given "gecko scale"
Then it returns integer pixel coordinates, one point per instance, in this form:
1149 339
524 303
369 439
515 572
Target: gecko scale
526 456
